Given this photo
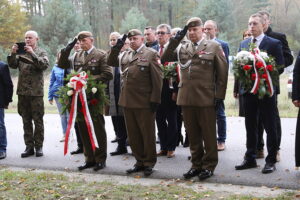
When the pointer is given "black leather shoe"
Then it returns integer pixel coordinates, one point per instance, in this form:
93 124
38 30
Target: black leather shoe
114 140
87 165
39 152
77 151
135 169
204 174
246 165
99 166
119 151
191 173
28 152
148 171
186 143
2 155
268 168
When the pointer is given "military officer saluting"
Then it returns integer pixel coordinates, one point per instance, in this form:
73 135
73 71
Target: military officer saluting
203 82
93 60
140 96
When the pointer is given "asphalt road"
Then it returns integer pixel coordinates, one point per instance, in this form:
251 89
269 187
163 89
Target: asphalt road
286 176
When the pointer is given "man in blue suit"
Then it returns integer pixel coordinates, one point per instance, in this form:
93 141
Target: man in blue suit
6 91
266 107
211 29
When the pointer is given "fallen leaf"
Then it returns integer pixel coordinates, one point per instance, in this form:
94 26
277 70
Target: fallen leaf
137 176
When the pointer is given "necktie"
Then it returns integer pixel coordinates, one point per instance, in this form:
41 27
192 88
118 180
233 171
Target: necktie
86 54
254 40
195 46
161 50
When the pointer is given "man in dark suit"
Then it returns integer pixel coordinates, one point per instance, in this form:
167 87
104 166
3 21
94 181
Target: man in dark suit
296 102
211 29
6 91
288 60
166 115
266 107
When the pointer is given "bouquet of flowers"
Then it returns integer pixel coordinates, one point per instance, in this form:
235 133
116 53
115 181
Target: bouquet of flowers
95 95
170 70
257 71
91 95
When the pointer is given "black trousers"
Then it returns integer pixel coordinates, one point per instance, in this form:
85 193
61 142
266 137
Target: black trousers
297 141
266 107
166 120
79 141
260 139
120 130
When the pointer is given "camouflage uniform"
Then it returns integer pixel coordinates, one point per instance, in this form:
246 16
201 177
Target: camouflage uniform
30 91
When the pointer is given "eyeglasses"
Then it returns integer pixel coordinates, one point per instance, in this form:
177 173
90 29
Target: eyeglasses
248 35
161 33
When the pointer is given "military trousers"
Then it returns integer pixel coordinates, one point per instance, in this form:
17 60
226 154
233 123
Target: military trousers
140 124
200 124
100 153
31 108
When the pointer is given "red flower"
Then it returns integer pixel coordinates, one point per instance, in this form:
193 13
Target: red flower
264 76
246 67
259 65
253 77
270 68
93 102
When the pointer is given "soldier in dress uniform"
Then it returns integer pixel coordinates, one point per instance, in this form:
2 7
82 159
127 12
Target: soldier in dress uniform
93 60
31 65
203 83
140 97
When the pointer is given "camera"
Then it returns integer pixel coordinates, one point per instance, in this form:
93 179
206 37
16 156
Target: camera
21 49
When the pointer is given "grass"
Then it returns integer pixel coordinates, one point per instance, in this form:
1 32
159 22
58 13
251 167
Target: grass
286 108
36 185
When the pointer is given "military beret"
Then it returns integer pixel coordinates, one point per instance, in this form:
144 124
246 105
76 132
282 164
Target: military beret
84 34
134 32
194 21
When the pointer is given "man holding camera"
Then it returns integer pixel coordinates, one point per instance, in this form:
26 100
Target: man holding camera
31 61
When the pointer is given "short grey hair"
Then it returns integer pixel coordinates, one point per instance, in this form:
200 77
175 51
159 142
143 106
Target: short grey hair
167 26
264 12
212 22
34 33
261 18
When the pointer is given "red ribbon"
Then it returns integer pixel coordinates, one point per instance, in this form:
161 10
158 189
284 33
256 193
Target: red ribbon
78 82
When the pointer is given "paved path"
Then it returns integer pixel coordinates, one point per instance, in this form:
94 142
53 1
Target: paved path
166 168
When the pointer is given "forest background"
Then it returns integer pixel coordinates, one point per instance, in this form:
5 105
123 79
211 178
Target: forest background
58 21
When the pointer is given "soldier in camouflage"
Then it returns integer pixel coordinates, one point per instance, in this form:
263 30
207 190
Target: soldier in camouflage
30 90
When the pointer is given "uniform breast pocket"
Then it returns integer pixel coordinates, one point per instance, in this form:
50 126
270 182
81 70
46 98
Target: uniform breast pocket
141 70
94 69
206 60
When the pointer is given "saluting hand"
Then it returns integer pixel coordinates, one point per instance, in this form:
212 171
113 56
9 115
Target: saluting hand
120 43
71 44
180 34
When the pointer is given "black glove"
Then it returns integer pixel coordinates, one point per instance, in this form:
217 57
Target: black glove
180 34
120 43
70 46
217 102
153 106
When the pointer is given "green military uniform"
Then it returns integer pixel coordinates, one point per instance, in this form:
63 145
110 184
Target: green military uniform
30 91
142 84
203 80
95 63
